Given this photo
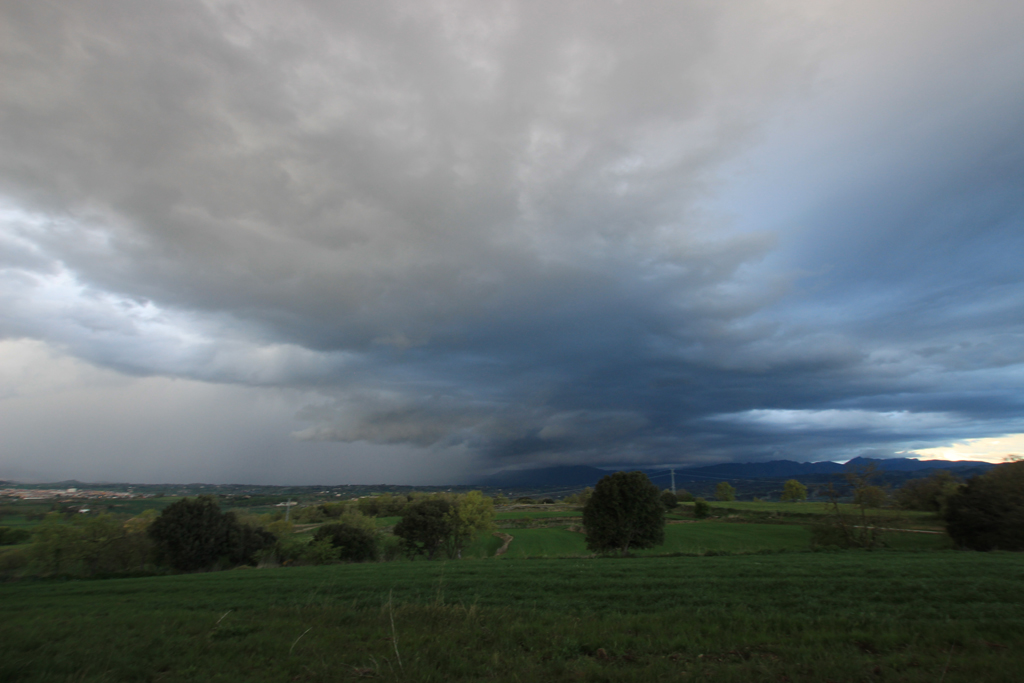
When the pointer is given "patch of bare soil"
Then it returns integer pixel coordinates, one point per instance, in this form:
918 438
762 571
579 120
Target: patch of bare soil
504 548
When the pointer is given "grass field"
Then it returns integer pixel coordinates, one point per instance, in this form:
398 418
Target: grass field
850 616
696 538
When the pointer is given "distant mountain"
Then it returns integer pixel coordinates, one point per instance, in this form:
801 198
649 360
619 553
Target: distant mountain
914 465
775 469
584 475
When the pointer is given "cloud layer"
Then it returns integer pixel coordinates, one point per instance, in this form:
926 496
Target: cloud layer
531 233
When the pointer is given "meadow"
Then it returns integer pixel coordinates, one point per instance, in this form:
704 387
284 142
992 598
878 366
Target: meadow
847 616
737 597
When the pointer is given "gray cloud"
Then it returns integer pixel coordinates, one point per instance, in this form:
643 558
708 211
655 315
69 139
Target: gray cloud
530 232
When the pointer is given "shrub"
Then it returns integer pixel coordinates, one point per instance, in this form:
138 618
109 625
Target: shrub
701 509
624 512
669 500
354 544
988 513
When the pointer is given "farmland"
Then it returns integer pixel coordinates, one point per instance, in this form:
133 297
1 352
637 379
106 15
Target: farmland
737 597
800 616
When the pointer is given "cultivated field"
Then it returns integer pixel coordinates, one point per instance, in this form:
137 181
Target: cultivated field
737 597
850 616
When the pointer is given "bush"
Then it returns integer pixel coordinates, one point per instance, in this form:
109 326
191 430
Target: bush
354 544
684 496
701 509
988 513
624 512
669 500
194 534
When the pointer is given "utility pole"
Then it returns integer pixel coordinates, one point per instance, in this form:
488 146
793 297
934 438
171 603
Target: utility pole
673 472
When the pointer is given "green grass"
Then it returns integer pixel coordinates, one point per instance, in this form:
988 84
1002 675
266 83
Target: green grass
852 616
696 538
537 514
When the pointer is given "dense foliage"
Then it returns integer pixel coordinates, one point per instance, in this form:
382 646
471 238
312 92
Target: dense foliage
724 491
988 513
424 527
194 534
793 491
353 543
929 494
669 500
624 512
9 536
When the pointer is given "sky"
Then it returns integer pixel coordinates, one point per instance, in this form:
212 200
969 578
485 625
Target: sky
322 243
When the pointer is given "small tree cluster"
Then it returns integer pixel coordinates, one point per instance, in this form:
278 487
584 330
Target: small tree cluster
444 524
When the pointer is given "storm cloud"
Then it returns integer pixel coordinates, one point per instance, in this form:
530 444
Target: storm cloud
521 232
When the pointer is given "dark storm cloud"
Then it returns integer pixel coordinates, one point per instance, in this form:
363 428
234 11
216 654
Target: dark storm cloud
511 230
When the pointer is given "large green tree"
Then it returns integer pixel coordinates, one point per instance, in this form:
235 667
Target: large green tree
725 491
988 513
793 491
624 512
425 526
472 514
194 534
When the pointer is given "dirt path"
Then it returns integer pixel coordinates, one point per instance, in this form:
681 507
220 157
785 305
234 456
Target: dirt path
504 548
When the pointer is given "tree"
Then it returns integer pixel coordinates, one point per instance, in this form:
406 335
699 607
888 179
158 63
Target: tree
929 494
701 509
669 500
724 491
988 513
869 496
354 543
471 514
624 512
859 530
424 526
194 534
93 545
793 491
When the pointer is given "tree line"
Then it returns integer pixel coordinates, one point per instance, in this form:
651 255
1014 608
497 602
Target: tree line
623 512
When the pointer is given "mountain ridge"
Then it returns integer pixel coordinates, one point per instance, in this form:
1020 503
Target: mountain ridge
587 475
